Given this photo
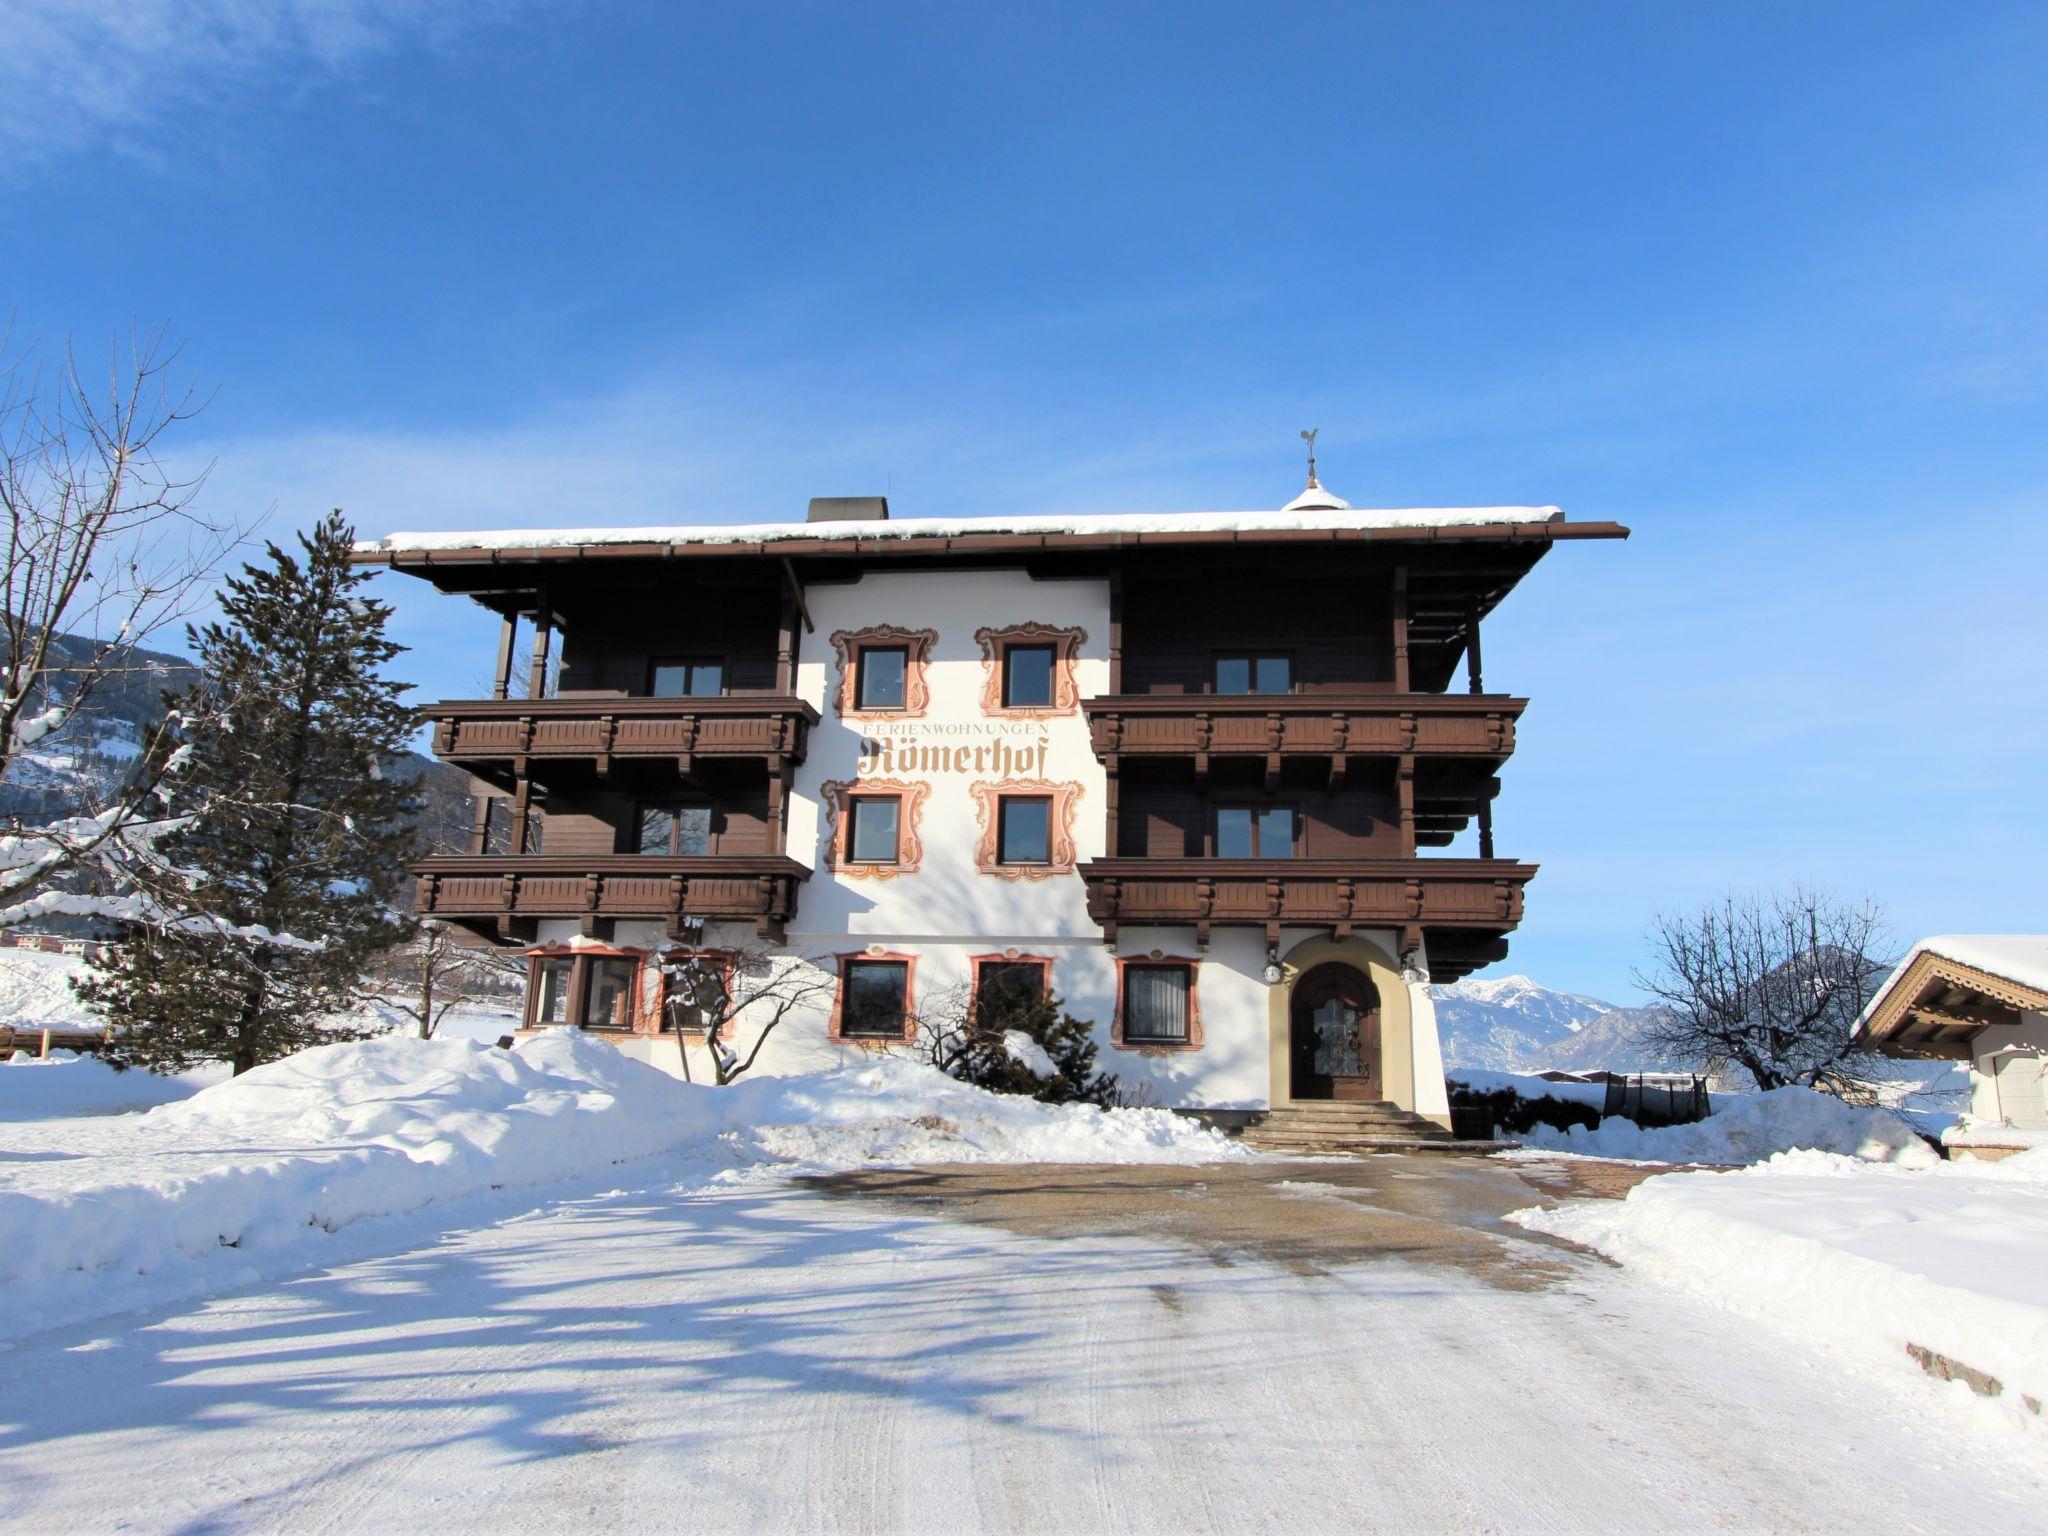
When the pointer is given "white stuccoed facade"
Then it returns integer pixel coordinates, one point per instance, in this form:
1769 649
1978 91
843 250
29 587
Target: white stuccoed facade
948 910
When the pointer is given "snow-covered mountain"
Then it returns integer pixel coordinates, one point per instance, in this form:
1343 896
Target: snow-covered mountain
1516 1024
79 766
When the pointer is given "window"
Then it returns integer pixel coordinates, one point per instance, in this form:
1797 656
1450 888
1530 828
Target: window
1027 676
593 991
551 991
667 829
1255 832
874 999
687 679
881 677
871 829
610 991
694 992
1024 831
1255 673
1004 988
1156 999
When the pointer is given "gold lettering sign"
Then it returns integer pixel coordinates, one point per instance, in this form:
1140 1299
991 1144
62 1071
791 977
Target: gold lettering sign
970 749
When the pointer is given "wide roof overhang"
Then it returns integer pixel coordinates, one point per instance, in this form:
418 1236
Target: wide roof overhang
1936 1004
980 536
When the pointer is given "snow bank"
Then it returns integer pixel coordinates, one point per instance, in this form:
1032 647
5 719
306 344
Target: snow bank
890 1110
100 1215
65 1083
1748 1127
1867 1256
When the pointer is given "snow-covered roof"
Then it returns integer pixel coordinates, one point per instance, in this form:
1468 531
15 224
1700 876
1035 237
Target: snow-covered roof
2018 957
1298 518
2019 960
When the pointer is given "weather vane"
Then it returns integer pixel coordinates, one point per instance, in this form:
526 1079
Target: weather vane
1309 437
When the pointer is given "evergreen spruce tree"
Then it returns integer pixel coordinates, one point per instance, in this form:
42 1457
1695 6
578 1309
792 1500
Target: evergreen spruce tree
295 829
985 1061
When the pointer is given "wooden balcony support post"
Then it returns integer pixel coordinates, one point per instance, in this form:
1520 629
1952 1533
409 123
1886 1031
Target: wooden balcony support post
1116 632
779 772
1486 793
1404 778
786 634
543 635
501 680
522 802
1401 679
1473 677
480 826
1111 841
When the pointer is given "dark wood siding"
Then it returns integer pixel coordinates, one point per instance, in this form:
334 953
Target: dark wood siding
604 823
1336 625
608 645
1168 814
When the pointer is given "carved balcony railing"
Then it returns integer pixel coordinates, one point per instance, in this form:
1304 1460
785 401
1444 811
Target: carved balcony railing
602 728
1479 895
505 894
1329 725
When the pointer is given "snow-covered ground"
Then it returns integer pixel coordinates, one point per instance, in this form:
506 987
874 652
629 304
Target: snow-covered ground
1867 1257
731 1353
66 1084
253 1175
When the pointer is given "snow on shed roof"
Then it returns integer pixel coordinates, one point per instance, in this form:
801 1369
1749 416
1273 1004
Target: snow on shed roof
1304 519
2019 960
2018 957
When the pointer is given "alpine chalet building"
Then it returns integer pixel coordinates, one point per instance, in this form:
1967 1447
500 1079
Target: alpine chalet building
1182 770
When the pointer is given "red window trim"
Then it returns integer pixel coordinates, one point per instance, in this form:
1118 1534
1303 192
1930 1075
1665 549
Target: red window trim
917 644
909 964
1151 1047
838 795
1066 643
643 1023
1065 795
976 962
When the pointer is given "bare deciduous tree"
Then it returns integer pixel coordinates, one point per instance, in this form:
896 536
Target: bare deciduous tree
103 548
1770 983
434 973
735 1000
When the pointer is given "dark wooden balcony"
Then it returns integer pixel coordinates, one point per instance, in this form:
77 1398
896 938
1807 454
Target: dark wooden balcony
1280 725
1479 896
502 896
500 734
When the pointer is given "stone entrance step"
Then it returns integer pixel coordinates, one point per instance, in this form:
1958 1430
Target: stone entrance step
1374 1125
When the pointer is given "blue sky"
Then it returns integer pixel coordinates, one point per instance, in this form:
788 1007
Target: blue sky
1771 288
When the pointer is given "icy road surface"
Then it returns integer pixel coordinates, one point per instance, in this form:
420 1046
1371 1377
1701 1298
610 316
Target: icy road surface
759 1356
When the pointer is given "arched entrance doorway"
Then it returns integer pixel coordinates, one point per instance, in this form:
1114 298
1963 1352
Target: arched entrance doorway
1334 1034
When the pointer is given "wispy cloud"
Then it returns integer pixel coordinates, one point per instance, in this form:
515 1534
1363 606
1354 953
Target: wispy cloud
143 76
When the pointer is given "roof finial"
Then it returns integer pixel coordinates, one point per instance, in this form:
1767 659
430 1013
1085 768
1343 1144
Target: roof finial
1309 437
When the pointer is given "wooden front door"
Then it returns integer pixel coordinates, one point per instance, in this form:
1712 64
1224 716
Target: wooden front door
1334 1035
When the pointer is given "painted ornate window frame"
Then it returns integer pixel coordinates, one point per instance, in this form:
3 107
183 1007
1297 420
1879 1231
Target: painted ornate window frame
1066 646
646 1014
1065 795
877 953
847 644
1007 957
838 795
1157 960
